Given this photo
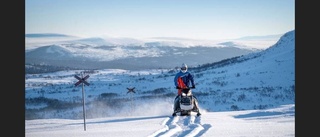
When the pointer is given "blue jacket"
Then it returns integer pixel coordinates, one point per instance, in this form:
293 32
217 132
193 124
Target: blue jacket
186 77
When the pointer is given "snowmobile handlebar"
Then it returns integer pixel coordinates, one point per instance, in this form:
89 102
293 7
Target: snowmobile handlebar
185 88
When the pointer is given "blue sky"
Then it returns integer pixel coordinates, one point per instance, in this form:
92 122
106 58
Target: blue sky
196 19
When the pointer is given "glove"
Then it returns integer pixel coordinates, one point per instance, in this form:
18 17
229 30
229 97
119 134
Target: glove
193 87
177 87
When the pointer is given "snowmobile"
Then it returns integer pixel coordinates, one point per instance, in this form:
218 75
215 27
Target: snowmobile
186 103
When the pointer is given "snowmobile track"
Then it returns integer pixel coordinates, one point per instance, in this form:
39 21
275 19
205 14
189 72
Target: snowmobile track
182 126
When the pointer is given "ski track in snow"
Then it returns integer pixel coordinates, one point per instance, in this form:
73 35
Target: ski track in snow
182 126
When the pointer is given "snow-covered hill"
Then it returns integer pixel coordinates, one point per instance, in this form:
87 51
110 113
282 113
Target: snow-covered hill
133 54
259 80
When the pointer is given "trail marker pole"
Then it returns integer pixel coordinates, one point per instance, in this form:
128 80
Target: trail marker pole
131 90
83 81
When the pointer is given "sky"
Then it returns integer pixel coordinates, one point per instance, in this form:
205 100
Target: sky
276 122
205 19
272 68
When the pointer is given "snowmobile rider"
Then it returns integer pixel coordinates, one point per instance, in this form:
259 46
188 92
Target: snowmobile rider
182 80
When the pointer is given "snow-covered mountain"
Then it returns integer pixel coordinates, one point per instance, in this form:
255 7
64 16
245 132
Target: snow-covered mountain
257 80
126 53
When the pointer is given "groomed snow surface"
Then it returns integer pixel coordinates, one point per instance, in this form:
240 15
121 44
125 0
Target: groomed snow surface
276 122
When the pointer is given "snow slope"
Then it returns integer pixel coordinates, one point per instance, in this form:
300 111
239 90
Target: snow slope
276 122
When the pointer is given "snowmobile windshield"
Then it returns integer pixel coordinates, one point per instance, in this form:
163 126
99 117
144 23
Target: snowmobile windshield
186 92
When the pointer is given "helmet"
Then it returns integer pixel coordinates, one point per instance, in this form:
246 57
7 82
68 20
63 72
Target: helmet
184 68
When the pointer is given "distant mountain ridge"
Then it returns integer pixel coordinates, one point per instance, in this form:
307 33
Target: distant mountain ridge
33 35
126 53
277 36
